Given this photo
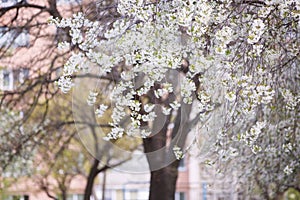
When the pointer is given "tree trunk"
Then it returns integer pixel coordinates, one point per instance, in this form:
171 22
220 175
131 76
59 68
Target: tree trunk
159 151
163 175
63 189
163 183
64 195
90 181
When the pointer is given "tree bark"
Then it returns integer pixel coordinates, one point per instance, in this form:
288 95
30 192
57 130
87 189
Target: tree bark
163 175
64 195
163 183
90 181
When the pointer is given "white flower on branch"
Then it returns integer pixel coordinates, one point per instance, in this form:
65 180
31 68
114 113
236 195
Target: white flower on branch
63 46
115 133
255 149
288 170
166 111
148 107
178 152
65 84
73 64
175 105
233 152
149 117
223 155
230 96
92 98
225 35
257 29
187 88
290 99
101 110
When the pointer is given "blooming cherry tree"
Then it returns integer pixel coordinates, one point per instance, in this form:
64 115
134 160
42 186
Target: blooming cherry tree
167 59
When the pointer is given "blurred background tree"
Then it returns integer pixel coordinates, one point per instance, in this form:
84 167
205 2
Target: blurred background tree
38 136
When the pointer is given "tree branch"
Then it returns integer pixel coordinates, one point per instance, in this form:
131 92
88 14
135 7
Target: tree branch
21 5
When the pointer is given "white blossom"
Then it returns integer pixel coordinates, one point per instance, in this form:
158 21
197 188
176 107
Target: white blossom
263 94
118 114
230 96
166 111
73 64
149 117
223 155
175 105
224 35
63 46
65 84
288 170
290 99
100 111
257 29
255 149
178 152
91 100
148 107
233 152
252 135
135 105
187 88
115 133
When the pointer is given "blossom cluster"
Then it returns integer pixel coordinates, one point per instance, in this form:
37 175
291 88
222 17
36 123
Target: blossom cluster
257 29
224 155
101 110
250 137
178 152
290 99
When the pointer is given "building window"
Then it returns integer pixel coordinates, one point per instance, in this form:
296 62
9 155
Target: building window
75 197
130 194
10 79
21 38
7 3
23 75
108 195
6 79
13 37
72 197
68 1
180 196
17 197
